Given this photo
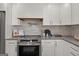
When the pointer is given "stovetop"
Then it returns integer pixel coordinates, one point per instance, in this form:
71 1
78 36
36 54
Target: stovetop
29 42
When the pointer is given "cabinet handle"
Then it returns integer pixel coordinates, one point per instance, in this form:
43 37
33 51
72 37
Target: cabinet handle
11 43
56 44
75 49
74 54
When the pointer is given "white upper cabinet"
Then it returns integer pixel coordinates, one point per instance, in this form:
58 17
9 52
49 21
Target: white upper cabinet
46 15
57 14
26 11
48 47
15 20
75 13
51 15
30 10
65 14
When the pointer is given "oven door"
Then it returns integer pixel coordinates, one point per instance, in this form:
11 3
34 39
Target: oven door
28 50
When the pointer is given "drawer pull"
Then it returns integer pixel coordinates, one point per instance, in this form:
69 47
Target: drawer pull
73 54
11 43
56 44
75 49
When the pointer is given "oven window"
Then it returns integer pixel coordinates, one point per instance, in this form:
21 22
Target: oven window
28 50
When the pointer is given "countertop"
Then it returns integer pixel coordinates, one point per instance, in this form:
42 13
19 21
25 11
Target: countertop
51 38
66 38
69 39
28 37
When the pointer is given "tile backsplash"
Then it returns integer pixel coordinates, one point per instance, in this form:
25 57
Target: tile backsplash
30 27
75 29
38 29
63 30
35 28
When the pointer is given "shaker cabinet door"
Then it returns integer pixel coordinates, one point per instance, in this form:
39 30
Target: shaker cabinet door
11 47
15 20
51 15
65 14
48 48
75 13
59 48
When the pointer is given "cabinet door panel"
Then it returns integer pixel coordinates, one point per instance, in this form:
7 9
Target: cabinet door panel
59 48
67 50
11 50
15 20
75 13
48 48
65 14
70 49
11 47
55 17
51 15
46 16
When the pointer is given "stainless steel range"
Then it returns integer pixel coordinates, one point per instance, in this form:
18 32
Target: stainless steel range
29 47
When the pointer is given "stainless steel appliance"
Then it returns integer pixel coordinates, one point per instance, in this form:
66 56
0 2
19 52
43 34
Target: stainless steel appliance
29 47
2 32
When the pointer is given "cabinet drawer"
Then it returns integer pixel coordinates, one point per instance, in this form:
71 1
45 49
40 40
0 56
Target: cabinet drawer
47 42
11 42
74 53
74 48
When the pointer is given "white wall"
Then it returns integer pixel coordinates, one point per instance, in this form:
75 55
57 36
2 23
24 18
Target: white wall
8 20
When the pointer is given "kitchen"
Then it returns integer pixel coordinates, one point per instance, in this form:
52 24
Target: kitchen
25 24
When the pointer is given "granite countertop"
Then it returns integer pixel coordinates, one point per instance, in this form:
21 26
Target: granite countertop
69 39
26 37
52 38
66 38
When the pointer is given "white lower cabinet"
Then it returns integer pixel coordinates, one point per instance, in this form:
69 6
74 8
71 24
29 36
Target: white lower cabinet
11 47
52 47
59 48
48 47
70 49
66 49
